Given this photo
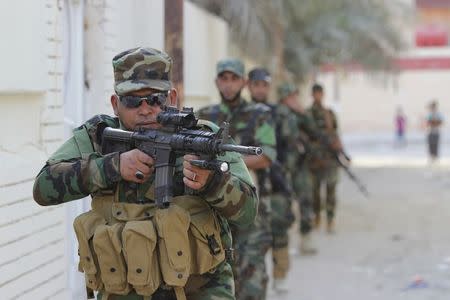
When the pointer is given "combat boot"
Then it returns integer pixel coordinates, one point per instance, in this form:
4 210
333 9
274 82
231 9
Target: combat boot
307 246
331 227
280 285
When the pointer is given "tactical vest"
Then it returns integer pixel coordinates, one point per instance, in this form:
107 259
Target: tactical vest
128 246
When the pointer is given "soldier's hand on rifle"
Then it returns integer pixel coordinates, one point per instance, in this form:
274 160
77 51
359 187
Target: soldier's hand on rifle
194 177
136 166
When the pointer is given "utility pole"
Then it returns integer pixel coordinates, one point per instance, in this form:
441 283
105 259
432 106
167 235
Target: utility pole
173 14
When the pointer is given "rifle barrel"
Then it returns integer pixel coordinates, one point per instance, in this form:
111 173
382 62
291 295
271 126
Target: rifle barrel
242 149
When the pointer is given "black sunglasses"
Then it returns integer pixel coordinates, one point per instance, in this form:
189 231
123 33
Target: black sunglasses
136 101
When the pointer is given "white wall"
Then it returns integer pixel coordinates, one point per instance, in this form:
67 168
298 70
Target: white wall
139 23
369 105
112 26
120 25
205 42
24 35
31 237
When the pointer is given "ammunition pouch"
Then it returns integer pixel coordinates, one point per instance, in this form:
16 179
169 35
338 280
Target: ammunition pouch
126 246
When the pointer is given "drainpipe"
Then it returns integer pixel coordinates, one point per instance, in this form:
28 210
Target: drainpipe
74 115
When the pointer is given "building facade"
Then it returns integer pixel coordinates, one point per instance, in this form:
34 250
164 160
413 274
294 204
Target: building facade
367 104
58 74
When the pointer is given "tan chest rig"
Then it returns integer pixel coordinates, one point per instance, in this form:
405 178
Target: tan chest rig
127 246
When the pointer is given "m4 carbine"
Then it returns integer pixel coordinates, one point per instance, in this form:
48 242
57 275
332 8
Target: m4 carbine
178 135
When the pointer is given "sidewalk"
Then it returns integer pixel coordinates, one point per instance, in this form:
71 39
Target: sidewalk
393 246
380 149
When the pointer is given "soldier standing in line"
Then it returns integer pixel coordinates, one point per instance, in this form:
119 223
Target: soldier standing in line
130 249
297 130
323 165
250 124
274 185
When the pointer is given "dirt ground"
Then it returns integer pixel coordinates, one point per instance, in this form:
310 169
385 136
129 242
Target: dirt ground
396 245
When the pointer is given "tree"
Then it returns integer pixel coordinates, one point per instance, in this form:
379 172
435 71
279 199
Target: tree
298 36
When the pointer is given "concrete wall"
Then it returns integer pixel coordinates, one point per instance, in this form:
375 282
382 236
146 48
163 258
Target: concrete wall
205 41
367 105
31 237
37 253
108 33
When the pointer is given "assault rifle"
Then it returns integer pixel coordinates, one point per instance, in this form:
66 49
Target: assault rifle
178 135
340 157
278 181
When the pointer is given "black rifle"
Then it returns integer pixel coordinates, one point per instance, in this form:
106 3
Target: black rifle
178 135
275 175
279 181
340 156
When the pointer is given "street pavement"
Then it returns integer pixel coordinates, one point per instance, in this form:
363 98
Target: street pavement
395 245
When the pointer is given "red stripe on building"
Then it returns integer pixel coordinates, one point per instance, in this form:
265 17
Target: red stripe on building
401 64
433 3
441 63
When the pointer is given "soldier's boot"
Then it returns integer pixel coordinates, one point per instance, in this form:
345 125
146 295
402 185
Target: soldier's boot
280 285
331 227
307 245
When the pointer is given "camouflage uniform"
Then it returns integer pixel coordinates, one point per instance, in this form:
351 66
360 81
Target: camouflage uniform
73 172
249 125
298 143
294 163
278 189
322 163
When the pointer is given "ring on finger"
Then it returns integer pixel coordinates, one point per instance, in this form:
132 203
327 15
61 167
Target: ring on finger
194 177
139 175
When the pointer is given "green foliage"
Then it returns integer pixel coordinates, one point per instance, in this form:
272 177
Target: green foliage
313 32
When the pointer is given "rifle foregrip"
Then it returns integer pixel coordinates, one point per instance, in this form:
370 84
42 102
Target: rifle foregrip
217 165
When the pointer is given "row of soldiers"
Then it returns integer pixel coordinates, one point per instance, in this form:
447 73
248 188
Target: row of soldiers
296 162
131 249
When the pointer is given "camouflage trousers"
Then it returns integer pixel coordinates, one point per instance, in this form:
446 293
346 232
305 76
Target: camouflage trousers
216 285
329 177
282 218
302 184
249 268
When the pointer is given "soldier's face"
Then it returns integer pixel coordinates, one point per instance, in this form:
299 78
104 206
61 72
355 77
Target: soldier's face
229 85
143 116
317 96
259 90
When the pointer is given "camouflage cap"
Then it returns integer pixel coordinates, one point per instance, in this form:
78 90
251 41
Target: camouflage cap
140 68
285 89
232 65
